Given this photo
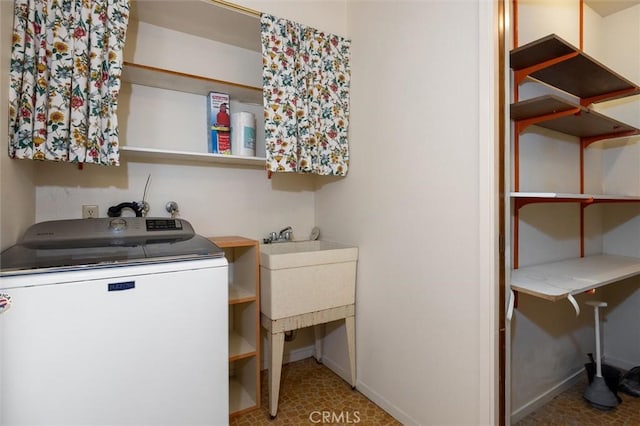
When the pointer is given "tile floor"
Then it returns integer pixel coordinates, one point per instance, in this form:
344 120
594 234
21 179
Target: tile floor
309 391
571 409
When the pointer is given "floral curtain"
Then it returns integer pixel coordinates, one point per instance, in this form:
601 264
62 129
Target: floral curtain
306 81
66 62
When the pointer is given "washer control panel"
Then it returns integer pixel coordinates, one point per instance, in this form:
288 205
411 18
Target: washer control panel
164 224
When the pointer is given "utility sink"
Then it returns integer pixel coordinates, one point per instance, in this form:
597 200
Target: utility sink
306 276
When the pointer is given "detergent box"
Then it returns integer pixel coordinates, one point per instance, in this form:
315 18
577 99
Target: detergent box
219 123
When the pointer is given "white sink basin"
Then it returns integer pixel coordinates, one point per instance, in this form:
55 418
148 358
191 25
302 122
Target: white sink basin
307 276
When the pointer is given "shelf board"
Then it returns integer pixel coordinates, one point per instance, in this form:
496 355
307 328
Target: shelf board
233 241
240 399
521 199
558 280
239 294
543 196
226 23
145 75
543 111
154 155
605 198
551 196
581 75
239 347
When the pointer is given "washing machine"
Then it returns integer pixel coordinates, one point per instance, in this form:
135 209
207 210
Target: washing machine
113 321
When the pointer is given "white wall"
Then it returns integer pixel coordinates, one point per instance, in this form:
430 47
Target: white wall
548 342
539 18
17 196
412 202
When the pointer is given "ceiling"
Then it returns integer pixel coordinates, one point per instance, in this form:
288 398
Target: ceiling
607 7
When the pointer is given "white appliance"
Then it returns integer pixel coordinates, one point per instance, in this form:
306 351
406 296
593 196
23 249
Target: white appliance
113 322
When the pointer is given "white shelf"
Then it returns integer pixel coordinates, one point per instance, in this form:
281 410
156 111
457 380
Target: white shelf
550 195
145 75
154 155
239 346
238 294
239 398
542 196
558 280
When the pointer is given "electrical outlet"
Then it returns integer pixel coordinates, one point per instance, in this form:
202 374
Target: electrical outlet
89 212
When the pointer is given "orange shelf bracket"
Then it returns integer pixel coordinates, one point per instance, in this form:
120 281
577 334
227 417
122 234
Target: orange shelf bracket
586 141
523 73
521 202
611 95
524 123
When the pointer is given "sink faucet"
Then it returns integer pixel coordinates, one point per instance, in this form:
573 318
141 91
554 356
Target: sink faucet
278 237
285 234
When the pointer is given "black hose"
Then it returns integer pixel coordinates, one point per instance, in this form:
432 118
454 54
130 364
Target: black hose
116 211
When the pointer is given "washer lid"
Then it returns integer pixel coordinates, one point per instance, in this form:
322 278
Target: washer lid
69 244
104 232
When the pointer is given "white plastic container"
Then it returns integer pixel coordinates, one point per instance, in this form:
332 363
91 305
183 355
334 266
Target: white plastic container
243 134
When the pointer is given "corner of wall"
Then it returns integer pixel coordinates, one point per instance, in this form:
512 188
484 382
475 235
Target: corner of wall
17 192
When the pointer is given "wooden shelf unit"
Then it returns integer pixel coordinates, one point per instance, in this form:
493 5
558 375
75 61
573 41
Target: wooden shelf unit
555 62
243 255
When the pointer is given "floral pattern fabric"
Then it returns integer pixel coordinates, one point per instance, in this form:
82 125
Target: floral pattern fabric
66 62
306 82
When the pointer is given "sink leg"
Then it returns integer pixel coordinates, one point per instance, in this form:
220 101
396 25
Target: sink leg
276 347
318 335
350 324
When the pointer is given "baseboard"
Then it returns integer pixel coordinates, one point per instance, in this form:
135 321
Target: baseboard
386 405
619 363
298 354
337 368
377 399
290 356
544 398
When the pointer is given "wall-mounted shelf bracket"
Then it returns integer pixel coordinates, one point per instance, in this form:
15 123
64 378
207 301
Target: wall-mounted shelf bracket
520 75
611 95
521 125
586 141
552 198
